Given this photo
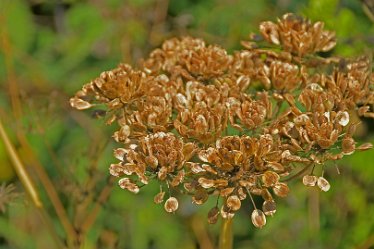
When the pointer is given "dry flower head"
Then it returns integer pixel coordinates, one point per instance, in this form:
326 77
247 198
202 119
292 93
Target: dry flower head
204 122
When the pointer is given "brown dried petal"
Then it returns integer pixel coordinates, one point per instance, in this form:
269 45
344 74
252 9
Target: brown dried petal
258 218
171 204
200 197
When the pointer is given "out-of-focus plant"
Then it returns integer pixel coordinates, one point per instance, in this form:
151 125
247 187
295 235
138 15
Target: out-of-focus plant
48 47
206 123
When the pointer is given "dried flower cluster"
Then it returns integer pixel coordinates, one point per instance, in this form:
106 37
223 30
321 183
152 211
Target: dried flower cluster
204 122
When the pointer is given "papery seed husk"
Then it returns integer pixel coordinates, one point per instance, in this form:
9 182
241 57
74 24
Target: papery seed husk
269 207
323 184
309 180
269 178
206 183
281 189
79 104
227 191
213 215
233 202
225 212
120 153
171 204
241 193
200 197
365 146
348 145
258 218
159 198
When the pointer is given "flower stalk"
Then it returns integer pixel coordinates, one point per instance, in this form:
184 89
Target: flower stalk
226 235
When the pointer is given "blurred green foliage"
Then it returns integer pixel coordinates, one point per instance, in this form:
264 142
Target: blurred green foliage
50 48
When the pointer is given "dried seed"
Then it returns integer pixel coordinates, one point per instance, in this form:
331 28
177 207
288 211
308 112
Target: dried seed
171 204
213 215
323 184
258 218
125 183
159 198
342 118
269 178
281 189
365 146
309 180
269 207
348 145
206 183
79 104
233 202
200 196
226 212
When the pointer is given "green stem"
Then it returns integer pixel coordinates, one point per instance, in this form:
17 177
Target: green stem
225 239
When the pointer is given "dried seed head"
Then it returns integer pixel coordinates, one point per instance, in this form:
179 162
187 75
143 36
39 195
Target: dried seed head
213 215
159 198
233 202
309 180
171 204
281 189
269 207
258 218
323 184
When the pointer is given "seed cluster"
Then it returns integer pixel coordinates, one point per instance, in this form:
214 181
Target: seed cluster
205 123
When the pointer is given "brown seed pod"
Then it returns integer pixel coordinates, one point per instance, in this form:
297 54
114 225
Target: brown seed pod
233 202
269 178
365 146
226 213
171 205
269 207
213 215
258 218
348 145
281 189
309 180
323 184
159 198
200 196
125 183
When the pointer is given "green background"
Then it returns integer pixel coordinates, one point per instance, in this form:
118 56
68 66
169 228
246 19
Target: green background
49 49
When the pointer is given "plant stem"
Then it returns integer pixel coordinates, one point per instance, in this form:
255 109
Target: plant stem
225 238
28 184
